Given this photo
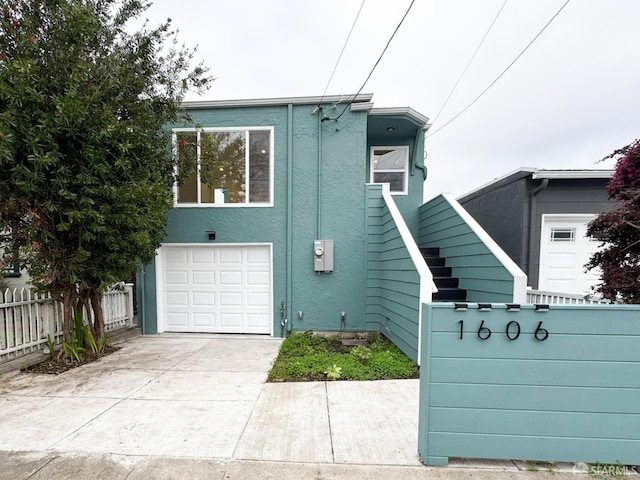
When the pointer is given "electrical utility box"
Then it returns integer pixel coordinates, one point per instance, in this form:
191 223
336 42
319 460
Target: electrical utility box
323 256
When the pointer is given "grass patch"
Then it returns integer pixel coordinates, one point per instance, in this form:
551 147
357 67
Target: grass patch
305 357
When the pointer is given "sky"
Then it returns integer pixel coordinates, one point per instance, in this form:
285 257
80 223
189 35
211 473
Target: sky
572 98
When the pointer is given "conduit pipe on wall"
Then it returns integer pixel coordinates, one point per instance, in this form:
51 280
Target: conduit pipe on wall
319 195
289 259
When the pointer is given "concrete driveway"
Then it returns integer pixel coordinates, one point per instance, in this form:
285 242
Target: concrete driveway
205 396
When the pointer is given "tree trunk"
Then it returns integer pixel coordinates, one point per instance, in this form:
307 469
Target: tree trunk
69 296
98 314
83 302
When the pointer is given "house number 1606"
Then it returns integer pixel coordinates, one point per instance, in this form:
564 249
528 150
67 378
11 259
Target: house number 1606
512 331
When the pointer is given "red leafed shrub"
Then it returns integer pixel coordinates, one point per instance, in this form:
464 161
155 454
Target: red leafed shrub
619 230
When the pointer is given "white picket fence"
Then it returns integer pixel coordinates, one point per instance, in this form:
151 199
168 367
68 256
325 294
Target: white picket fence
541 296
27 317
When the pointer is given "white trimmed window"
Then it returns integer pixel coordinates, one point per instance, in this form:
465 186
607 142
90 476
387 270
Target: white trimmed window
391 165
224 167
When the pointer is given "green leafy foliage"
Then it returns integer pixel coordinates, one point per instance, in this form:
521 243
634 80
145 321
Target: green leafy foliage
87 176
307 357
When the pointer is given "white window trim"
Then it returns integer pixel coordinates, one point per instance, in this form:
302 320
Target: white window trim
405 183
174 145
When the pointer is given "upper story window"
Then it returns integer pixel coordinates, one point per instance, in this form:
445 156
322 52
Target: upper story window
391 165
224 167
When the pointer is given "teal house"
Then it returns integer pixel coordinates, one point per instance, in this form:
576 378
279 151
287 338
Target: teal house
306 214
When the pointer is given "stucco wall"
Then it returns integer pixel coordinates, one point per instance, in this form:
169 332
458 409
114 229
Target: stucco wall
340 202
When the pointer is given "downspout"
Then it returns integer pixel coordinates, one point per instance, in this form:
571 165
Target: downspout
532 212
420 136
289 274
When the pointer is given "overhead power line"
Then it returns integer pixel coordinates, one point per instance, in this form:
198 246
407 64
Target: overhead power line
341 52
503 72
377 61
469 63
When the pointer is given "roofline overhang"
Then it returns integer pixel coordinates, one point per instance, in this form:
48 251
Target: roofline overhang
261 102
571 174
407 112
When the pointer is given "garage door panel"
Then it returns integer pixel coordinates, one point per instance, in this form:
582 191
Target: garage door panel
176 256
177 277
255 320
257 299
203 256
231 256
233 299
231 320
204 298
177 319
258 257
230 277
176 298
203 278
217 289
204 319
258 278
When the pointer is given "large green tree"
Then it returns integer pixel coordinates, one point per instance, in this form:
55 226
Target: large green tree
619 230
86 172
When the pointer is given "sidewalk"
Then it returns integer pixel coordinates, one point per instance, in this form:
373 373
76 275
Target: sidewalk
196 406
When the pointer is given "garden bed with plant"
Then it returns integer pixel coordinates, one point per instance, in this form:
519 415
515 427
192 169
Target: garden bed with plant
306 357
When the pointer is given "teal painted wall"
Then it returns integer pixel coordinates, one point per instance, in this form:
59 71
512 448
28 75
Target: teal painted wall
321 297
479 271
572 397
393 283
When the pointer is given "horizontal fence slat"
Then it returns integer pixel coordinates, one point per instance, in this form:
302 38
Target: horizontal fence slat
541 398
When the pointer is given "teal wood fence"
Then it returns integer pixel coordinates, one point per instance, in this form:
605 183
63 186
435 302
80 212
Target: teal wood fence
398 279
484 269
555 385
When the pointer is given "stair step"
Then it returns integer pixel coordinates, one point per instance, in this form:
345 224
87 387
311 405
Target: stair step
435 261
450 295
446 282
440 271
430 251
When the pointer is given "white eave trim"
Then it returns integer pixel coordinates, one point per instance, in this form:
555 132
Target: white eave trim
260 102
404 111
571 174
361 106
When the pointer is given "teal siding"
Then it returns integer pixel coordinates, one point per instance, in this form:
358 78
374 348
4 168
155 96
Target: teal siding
393 283
480 272
572 397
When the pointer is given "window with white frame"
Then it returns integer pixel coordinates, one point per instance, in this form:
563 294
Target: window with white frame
224 167
390 165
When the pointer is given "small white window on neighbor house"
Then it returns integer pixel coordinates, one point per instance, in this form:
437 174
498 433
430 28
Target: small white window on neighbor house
224 167
563 235
391 165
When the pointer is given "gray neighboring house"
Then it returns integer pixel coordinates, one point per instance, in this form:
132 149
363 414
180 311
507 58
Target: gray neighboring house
539 217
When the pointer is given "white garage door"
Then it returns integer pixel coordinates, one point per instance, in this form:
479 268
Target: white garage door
564 250
215 289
